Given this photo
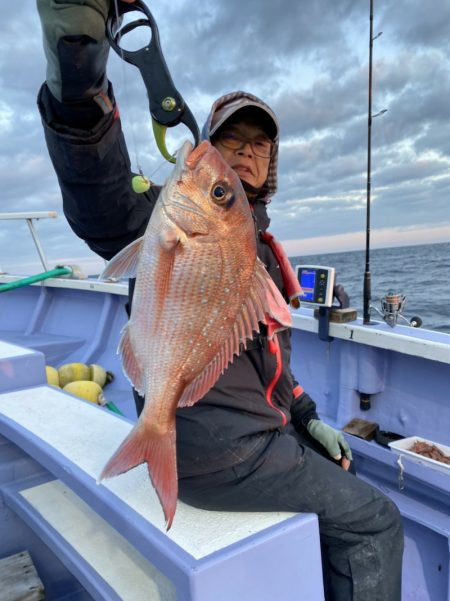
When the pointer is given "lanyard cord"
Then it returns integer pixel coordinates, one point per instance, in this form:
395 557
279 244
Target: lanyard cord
126 90
128 103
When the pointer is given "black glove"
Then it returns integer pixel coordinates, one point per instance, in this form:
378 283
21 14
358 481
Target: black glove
76 48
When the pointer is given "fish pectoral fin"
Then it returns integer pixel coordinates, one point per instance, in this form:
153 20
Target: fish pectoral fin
204 381
242 330
170 235
130 363
159 453
124 264
264 303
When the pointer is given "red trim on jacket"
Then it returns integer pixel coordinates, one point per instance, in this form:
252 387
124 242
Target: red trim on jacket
274 348
298 390
290 281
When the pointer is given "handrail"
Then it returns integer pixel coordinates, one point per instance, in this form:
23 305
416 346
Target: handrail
52 273
29 219
30 215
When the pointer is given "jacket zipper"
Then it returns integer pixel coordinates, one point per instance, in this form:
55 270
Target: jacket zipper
274 348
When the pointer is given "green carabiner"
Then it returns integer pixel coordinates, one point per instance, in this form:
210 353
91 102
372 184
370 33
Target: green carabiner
159 132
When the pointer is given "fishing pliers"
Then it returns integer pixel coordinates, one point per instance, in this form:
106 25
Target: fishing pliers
167 106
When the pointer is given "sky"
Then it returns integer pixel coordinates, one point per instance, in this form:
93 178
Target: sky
309 61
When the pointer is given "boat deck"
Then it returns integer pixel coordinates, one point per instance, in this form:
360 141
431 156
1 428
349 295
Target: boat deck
112 536
404 372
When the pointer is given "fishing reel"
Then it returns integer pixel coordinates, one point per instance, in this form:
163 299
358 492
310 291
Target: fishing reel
392 305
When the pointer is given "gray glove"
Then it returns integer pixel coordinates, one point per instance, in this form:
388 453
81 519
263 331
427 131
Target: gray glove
76 47
331 439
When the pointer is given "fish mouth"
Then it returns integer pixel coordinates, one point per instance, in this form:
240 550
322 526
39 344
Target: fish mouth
197 154
187 157
182 155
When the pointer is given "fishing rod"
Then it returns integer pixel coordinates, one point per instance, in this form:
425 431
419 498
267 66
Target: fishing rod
367 294
392 304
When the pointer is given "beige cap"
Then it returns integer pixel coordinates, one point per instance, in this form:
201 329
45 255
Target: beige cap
269 121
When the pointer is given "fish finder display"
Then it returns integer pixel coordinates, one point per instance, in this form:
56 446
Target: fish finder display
317 283
308 284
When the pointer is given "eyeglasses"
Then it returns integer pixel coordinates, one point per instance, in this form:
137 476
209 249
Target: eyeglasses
261 146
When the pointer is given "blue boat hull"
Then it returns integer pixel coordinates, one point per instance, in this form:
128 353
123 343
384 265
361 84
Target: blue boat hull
404 374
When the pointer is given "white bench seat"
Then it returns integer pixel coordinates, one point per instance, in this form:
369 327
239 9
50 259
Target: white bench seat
205 556
55 347
20 367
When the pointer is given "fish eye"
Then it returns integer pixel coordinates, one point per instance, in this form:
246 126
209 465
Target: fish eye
219 192
222 194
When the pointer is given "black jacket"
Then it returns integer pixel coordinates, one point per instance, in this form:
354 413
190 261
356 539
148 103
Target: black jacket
256 392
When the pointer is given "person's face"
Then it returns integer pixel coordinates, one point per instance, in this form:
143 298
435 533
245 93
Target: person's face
249 167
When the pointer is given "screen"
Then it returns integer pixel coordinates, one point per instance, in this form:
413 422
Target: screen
308 283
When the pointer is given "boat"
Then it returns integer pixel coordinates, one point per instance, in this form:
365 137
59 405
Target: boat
108 542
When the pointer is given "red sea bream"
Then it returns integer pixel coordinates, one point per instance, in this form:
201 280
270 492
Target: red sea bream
201 293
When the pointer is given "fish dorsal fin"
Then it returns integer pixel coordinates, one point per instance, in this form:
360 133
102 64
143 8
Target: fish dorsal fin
130 363
264 303
124 264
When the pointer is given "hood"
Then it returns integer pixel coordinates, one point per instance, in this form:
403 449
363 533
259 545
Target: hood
227 105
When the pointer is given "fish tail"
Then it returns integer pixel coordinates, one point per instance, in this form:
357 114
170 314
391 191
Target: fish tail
158 451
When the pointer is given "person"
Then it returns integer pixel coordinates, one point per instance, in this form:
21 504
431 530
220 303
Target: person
255 441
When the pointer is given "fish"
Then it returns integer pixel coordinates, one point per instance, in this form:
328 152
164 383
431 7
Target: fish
201 294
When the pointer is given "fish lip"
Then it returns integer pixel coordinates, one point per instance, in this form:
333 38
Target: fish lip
179 171
182 154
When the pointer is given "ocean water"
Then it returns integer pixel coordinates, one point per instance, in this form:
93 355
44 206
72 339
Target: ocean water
421 273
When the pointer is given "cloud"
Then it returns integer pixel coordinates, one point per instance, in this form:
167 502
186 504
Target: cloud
309 61
381 238
413 23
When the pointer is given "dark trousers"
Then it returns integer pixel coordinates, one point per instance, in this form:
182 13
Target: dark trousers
360 529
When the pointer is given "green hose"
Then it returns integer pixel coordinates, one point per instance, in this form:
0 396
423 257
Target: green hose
53 273
110 405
